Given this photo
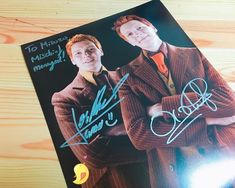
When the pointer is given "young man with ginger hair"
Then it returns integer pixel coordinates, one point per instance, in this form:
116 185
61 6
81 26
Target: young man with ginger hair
158 99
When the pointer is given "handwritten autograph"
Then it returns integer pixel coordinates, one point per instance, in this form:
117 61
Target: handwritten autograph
203 98
59 58
100 107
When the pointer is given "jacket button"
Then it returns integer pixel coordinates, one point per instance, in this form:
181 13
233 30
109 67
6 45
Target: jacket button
171 167
172 86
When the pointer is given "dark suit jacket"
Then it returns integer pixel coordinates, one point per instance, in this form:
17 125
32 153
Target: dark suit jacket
144 88
113 162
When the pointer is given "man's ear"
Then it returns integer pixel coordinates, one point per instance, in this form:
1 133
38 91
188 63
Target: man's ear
155 30
101 51
125 39
72 60
131 43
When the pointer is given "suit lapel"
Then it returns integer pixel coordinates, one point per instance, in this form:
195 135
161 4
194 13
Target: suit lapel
88 92
86 88
145 72
178 63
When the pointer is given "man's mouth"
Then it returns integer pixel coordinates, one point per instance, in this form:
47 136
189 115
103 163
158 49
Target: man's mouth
89 61
143 39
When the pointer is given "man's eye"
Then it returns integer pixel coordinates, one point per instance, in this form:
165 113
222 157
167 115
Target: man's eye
78 53
139 28
130 34
91 49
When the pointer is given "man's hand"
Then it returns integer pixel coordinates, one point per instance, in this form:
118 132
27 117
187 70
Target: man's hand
117 130
220 121
155 110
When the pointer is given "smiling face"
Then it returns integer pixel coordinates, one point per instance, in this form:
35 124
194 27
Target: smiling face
86 56
138 34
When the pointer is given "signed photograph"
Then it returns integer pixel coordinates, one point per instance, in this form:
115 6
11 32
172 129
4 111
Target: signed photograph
131 102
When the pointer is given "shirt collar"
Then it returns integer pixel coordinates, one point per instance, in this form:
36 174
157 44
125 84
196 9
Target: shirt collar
88 75
163 49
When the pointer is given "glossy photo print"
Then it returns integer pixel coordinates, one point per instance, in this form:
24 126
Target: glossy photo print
131 102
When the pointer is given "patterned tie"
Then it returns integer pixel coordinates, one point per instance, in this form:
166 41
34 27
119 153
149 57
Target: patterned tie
158 59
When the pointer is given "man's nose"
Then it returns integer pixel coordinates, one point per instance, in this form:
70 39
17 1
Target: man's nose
137 34
87 53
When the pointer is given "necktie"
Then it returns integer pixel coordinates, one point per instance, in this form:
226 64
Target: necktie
158 59
103 79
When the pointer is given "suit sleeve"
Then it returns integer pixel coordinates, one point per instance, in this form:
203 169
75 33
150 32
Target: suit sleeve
137 124
221 95
101 152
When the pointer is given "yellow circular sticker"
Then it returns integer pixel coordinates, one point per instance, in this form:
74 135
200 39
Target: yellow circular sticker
81 173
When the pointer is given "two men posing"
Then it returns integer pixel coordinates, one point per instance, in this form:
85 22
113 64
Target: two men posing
156 83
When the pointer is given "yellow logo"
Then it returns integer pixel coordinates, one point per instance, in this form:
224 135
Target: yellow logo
81 173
